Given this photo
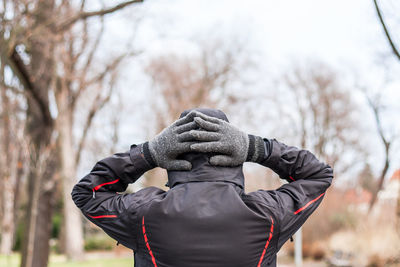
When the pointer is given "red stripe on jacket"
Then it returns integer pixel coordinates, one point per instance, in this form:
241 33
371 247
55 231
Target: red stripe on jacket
271 230
103 216
146 240
308 204
100 185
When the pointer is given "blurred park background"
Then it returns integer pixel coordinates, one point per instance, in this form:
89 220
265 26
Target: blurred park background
80 80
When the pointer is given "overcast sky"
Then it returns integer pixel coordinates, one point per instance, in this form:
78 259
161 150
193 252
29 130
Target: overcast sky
340 32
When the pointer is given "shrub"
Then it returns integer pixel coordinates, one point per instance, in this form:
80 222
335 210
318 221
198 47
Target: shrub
56 225
19 232
99 242
307 250
318 253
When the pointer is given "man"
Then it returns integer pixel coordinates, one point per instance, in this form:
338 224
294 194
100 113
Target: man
206 218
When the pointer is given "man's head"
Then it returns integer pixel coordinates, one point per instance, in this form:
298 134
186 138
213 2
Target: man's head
198 158
202 169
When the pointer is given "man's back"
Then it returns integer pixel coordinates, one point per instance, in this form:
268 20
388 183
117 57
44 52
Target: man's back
205 219
205 224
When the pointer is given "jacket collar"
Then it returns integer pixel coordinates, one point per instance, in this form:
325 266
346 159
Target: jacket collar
203 171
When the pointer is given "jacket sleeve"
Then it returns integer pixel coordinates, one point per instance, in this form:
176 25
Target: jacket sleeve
308 179
96 194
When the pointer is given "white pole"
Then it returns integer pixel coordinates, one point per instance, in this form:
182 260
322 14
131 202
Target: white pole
298 253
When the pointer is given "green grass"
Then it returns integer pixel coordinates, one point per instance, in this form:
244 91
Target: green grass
95 263
58 261
9 261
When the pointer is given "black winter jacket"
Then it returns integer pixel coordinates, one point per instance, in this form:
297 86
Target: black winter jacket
206 218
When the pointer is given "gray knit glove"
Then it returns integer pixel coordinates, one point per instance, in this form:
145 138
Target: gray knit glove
233 146
164 149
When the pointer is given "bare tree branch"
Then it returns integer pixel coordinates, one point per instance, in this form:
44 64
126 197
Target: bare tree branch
113 65
99 102
387 144
84 41
84 15
389 38
82 81
83 3
97 105
18 67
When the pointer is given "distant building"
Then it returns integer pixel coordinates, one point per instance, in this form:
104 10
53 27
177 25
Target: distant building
391 189
358 199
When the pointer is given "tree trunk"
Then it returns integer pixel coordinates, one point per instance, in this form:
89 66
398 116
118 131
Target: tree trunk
41 191
379 185
73 239
40 128
7 222
9 177
22 172
387 145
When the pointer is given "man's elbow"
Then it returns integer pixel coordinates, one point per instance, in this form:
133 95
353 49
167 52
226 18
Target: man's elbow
328 175
79 196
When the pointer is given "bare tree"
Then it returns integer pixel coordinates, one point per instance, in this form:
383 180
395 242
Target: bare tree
387 143
396 52
12 159
185 81
321 114
74 82
46 44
